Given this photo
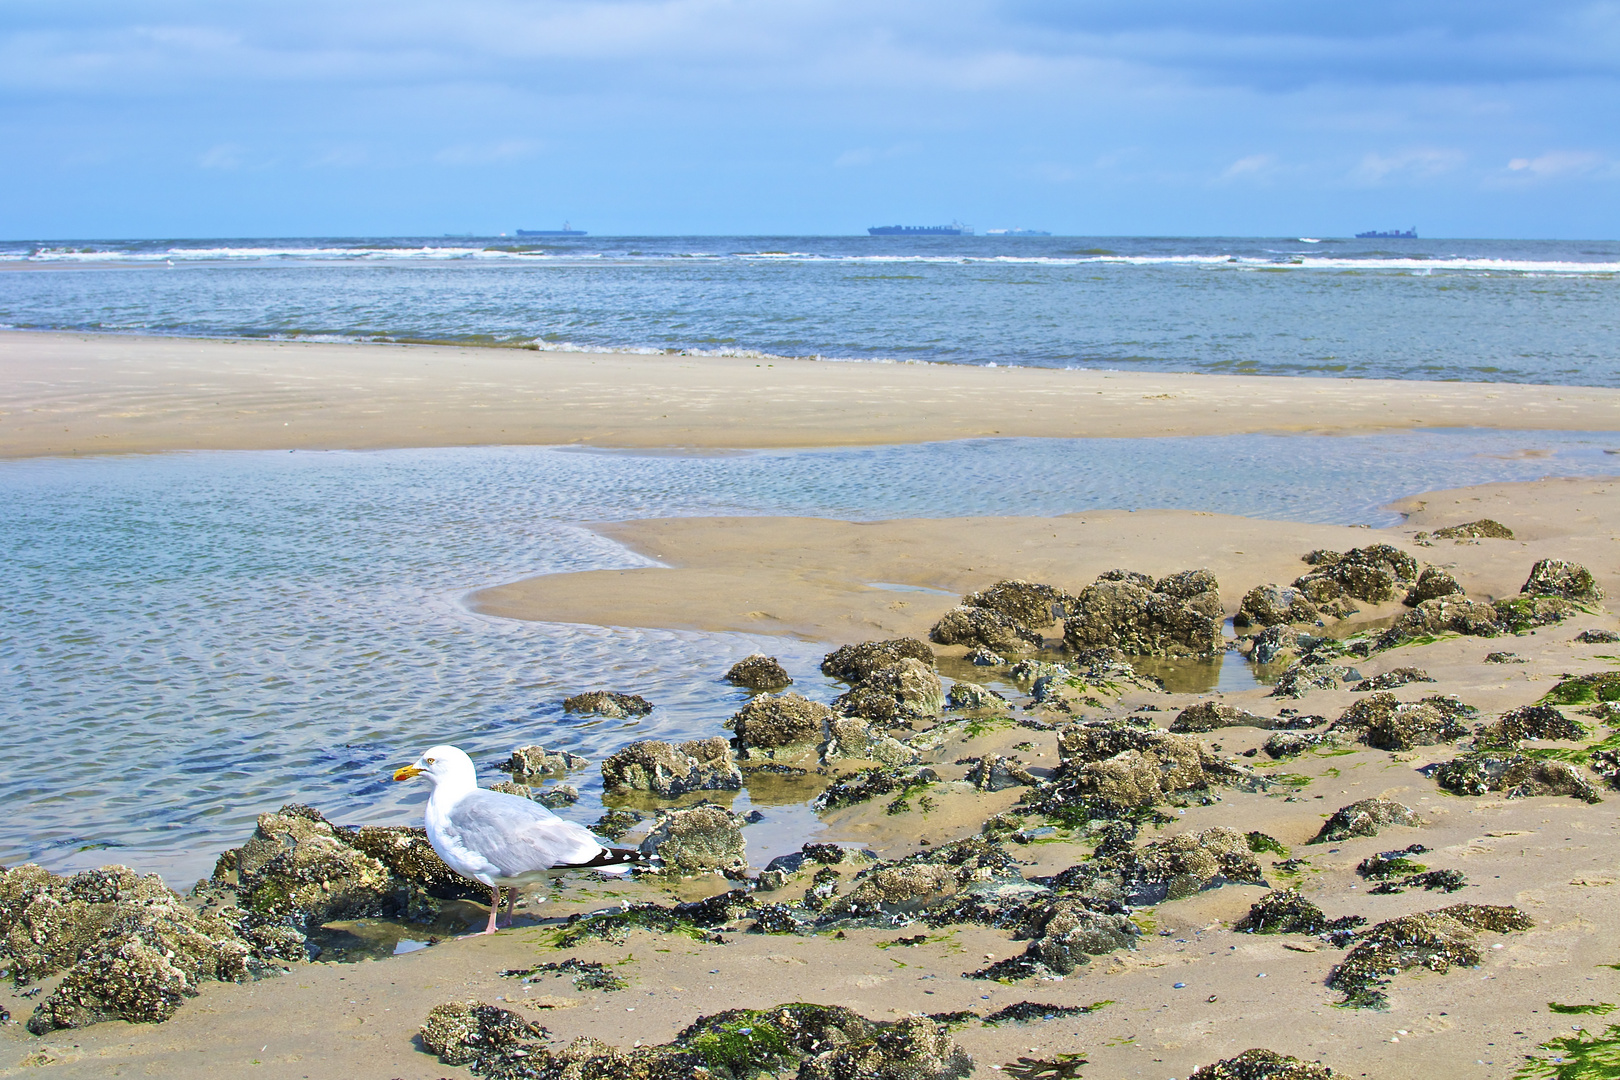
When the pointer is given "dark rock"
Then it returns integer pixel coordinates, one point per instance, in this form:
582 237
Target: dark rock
1127 765
1434 940
669 771
555 798
983 628
1504 658
872 783
1066 933
1432 584
982 657
1276 643
1597 637
1568 580
1026 603
1210 715
1530 722
1483 528
1302 678
1282 912
1389 680
1274 605
476 1034
1365 818
1370 574
785 725
1189 863
1259 1064
1179 615
615 823
608 703
1514 775
1290 743
1381 721
759 672
537 761
854 663
698 840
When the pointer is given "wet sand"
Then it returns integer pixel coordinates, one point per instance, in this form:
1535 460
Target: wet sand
92 394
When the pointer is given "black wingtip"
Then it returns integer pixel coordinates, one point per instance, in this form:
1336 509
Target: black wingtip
606 857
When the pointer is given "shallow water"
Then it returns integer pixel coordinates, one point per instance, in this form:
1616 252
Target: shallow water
1481 310
192 639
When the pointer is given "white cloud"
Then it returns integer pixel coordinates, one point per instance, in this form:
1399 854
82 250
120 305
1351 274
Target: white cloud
1255 165
1557 163
494 153
1417 164
224 156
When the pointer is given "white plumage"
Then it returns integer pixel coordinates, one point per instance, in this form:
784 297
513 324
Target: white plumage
500 839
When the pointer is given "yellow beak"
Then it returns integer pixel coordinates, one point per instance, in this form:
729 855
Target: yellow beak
407 772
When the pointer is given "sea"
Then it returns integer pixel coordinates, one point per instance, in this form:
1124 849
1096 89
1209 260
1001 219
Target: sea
192 639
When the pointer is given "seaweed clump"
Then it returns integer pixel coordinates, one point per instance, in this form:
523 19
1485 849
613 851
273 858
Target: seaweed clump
588 974
1436 940
1260 1064
1023 1012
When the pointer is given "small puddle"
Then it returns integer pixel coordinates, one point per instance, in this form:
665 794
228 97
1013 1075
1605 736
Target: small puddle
349 941
893 586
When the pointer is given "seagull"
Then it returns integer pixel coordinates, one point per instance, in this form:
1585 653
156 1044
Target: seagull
501 839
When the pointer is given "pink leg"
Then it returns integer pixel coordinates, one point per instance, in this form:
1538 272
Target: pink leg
511 905
494 909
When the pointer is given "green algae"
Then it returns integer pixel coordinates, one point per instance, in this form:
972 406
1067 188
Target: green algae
1581 1056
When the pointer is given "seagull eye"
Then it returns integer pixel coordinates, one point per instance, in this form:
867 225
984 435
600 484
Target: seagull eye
428 760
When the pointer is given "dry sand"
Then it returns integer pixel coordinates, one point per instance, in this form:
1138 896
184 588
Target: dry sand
1556 858
88 394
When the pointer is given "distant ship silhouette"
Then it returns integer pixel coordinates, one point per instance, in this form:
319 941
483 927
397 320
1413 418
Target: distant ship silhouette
566 230
1393 234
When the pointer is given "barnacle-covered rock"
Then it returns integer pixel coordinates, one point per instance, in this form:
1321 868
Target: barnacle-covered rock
1261 1064
914 1048
698 840
477 1034
1567 580
1275 605
1483 528
1434 940
1371 573
1210 715
668 771
1433 582
1179 614
996 773
1380 720
536 761
1282 911
1365 818
853 738
759 672
1390 680
297 870
853 663
784 725
968 695
1530 722
983 628
1514 775
1031 604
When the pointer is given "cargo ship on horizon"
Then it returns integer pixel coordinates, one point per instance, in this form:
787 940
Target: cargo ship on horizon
955 228
1392 234
566 230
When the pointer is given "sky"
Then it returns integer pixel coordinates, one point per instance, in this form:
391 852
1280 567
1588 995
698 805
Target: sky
179 118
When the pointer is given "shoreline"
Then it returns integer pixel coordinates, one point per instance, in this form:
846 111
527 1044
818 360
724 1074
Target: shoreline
70 394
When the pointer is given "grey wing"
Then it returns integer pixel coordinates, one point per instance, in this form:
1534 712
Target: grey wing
517 836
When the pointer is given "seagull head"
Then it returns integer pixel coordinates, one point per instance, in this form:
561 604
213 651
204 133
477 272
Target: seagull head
442 764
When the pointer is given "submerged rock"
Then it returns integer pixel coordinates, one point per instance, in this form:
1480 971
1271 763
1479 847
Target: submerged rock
1365 818
608 703
759 672
1179 614
669 771
1567 580
698 840
785 725
1434 940
967 695
982 657
1275 605
537 761
1259 1064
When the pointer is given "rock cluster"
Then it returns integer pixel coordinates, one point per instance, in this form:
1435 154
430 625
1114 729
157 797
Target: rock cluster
1390 680
669 770
1177 615
533 762
1385 723
1529 722
1006 617
783 726
1370 573
131 948
1566 580
1513 774
478 1034
1431 584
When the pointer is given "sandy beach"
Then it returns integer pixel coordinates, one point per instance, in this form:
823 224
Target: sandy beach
1192 990
63 394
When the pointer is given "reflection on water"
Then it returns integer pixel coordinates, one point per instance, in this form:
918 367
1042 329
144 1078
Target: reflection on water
193 639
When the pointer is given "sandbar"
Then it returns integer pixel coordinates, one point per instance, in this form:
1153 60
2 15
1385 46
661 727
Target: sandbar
66 394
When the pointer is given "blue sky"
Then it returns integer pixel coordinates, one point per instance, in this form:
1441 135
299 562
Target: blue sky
1191 117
